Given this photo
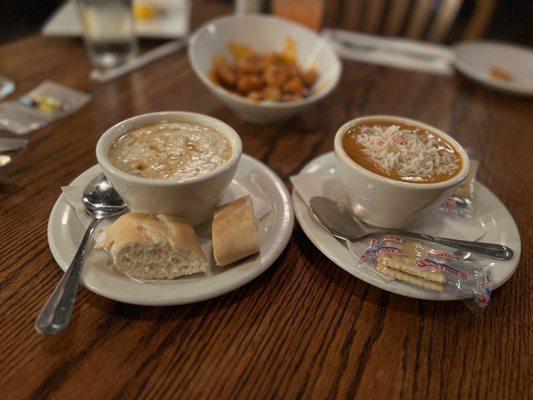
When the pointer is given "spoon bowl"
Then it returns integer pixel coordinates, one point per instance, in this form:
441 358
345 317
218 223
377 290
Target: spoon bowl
101 200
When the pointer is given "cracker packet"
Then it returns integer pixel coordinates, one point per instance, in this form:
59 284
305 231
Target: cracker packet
46 103
460 203
430 268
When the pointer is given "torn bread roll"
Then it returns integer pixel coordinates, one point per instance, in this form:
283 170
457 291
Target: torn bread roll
146 246
234 232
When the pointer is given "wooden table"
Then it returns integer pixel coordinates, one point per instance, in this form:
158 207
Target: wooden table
303 329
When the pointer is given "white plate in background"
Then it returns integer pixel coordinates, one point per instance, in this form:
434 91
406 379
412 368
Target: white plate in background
476 59
65 233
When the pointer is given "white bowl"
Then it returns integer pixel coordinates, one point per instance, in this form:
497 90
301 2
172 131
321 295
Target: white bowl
192 198
263 34
385 202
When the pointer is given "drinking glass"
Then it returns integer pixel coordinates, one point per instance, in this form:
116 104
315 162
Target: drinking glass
109 33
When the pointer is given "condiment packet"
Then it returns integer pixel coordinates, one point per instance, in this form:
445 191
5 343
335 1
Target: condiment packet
461 202
46 103
428 267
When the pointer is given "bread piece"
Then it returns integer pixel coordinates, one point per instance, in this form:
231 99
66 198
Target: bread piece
146 246
414 280
234 232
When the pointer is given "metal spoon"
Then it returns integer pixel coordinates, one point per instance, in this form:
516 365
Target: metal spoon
101 201
342 224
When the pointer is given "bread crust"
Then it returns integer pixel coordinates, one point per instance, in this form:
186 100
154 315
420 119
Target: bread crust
234 232
146 228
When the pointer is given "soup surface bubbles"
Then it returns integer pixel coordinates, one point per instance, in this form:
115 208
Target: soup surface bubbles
170 150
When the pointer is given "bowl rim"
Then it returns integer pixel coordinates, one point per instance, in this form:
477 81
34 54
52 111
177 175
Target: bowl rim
265 105
111 134
343 156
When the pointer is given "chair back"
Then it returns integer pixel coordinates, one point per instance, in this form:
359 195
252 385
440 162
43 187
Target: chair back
431 20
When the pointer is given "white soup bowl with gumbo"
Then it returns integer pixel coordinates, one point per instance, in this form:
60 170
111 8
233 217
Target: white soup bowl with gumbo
395 170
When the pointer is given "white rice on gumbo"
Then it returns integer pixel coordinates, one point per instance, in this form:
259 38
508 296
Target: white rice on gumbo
406 152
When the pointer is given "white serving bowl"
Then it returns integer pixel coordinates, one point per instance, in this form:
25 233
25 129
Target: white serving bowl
263 34
193 198
385 202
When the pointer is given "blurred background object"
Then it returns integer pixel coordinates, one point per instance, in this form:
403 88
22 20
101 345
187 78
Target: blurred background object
243 7
162 19
23 18
432 20
263 79
442 20
306 12
108 31
111 29
4 160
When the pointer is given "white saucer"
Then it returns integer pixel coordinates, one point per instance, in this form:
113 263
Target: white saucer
489 213
65 233
476 59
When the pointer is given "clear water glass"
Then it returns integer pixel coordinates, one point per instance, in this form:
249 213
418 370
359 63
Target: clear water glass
109 32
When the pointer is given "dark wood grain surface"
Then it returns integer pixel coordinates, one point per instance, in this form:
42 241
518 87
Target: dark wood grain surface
303 329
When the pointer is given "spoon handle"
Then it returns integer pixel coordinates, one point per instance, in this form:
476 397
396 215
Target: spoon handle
488 249
56 314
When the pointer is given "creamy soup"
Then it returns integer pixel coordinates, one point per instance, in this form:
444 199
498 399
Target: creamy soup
402 152
170 150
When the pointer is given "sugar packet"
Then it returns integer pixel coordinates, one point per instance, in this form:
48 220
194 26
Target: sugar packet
46 103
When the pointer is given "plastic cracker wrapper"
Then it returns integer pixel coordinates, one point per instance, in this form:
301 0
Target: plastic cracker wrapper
46 103
461 202
431 268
